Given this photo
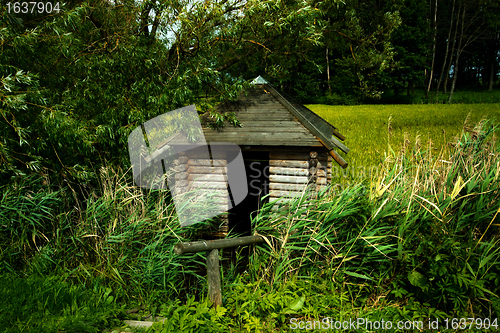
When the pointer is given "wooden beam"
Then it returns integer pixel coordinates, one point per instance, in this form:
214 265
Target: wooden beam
288 163
213 277
205 169
289 179
343 164
193 247
288 171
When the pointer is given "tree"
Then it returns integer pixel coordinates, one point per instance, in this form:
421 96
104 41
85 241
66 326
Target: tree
98 69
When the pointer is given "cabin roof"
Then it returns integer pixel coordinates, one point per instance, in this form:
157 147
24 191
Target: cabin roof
270 117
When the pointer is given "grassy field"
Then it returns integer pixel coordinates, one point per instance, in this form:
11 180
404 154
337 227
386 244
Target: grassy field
370 130
422 244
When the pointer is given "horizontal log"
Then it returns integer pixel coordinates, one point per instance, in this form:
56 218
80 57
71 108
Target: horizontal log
290 187
294 135
288 171
205 162
288 179
208 177
257 141
181 175
276 123
181 183
194 247
246 130
208 185
289 163
276 193
204 169
179 168
321 181
181 160
322 173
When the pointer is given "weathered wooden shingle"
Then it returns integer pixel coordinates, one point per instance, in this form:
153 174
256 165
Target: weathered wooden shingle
264 120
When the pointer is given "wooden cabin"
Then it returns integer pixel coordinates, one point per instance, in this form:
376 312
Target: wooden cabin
286 148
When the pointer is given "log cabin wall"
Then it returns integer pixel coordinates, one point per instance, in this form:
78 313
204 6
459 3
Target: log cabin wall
195 170
291 173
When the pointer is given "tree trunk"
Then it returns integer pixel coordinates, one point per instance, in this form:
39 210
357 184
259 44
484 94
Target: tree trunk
433 50
459 52
448 67
493 57
492 76
328 71
445 60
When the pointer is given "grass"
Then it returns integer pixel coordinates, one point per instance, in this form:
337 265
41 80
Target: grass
372 130
420 241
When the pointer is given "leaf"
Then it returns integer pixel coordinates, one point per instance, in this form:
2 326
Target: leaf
298 303
418 279
361 276
459 184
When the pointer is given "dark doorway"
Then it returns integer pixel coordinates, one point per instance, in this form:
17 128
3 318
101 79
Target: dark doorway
257 171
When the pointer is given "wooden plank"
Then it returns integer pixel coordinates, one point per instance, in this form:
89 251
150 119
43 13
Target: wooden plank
270 142
289 163
207 177
208 245
263 135
272 130
276 193
343 164
208 185
276 123
181 160
321 181
288 171
288 179
321 173
181 175
179 168
181 183
205 162
205 169
290 187
290 194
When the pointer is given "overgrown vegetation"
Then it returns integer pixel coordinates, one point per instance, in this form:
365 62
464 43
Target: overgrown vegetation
372 130
420 242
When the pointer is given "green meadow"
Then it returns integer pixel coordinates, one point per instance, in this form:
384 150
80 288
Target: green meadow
373 130
420 244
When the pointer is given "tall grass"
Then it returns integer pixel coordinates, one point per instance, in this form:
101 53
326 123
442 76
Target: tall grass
425 230
421 235
366 129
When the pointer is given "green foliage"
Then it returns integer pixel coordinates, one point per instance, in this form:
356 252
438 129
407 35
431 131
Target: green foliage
51 304
419 241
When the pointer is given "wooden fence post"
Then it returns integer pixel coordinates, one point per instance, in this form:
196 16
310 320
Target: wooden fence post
213 277
213 271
